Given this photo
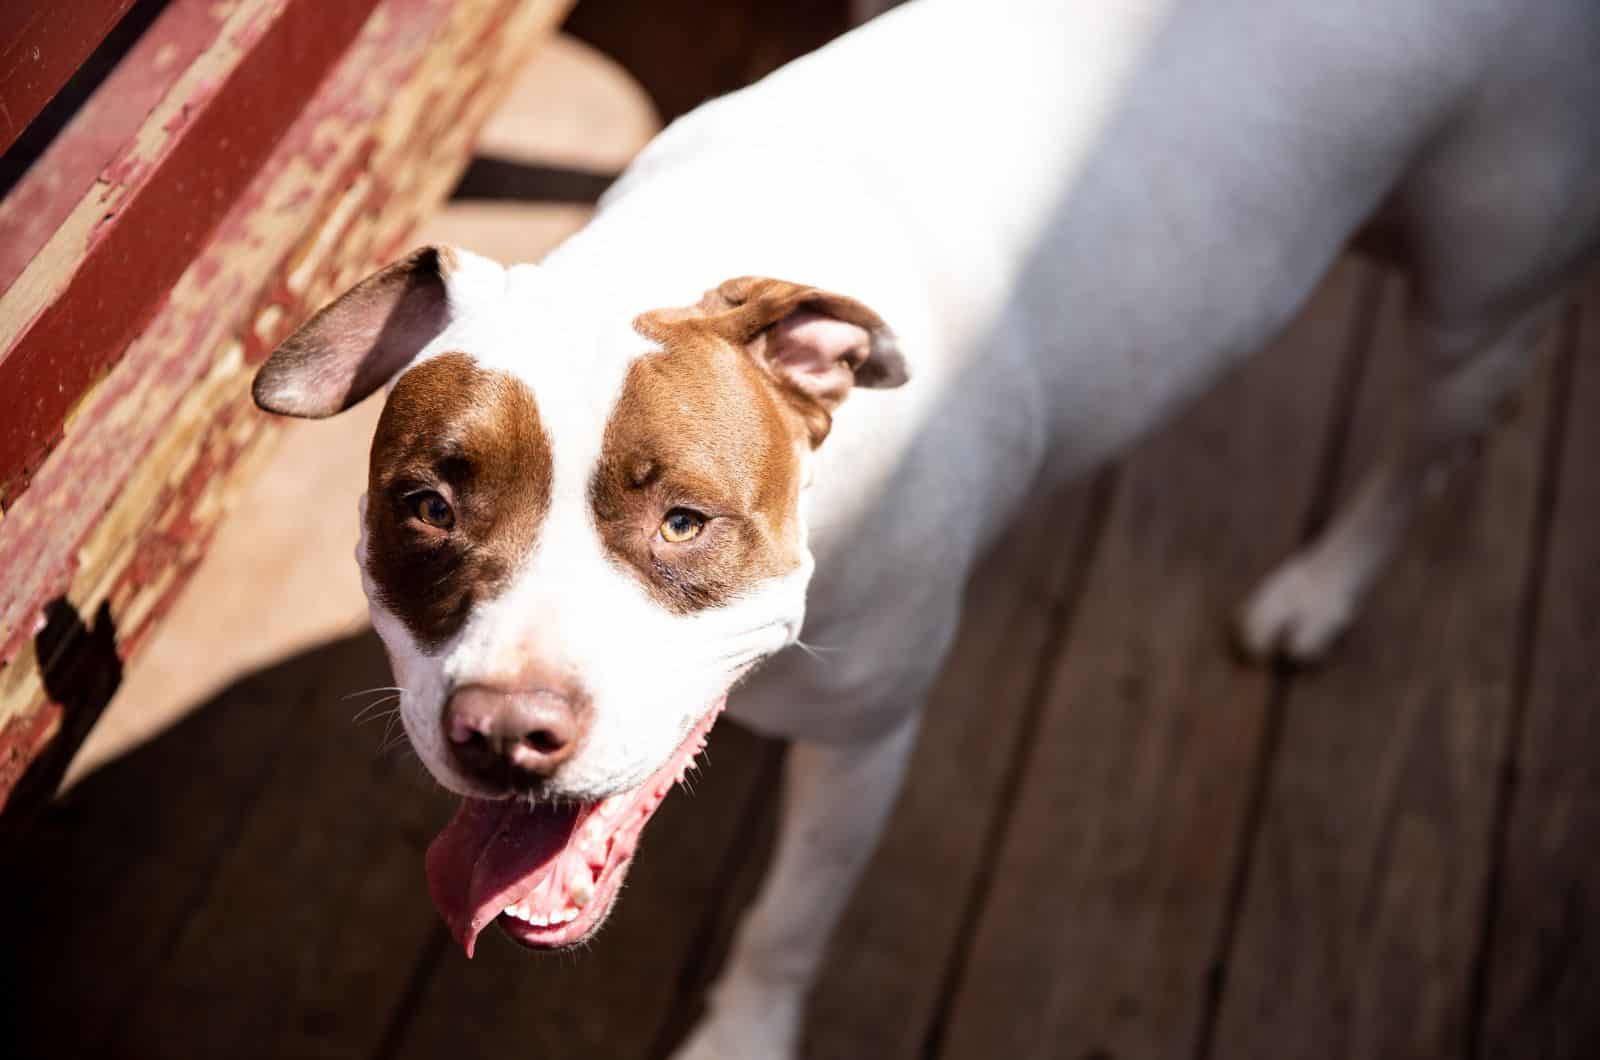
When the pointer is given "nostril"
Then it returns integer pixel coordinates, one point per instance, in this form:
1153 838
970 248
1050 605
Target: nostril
545 741
468 730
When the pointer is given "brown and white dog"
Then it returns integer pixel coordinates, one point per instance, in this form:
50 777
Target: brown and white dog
606 487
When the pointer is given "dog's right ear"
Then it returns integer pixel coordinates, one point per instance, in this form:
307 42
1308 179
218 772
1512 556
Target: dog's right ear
359 341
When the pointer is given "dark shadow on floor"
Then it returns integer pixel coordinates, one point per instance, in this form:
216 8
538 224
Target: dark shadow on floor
249 883
81 671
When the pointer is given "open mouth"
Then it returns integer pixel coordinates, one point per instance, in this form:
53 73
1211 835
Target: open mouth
547 873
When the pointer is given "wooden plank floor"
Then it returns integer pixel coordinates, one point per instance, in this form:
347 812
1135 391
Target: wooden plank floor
1117 842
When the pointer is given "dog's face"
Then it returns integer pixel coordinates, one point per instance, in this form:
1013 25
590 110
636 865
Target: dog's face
572 554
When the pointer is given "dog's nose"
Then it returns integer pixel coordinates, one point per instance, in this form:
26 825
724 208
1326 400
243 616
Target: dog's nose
512 737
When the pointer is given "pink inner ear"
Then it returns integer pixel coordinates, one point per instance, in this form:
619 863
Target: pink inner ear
814 349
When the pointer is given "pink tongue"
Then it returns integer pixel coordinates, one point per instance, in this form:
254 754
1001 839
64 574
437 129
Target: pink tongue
491 854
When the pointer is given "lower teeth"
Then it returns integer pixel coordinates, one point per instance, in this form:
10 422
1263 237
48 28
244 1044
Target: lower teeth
564 916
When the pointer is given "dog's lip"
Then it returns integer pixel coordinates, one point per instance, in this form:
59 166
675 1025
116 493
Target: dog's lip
499 854
560 936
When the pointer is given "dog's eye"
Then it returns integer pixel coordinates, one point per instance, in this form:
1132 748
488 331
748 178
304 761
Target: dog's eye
681 525
433 509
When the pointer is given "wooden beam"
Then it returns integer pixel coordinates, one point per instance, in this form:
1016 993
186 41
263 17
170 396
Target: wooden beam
103 274
1540 970
42 44
121 508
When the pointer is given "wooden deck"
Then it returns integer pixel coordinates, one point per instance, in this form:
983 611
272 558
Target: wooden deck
1117 843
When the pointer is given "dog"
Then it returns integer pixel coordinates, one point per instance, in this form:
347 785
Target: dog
605 489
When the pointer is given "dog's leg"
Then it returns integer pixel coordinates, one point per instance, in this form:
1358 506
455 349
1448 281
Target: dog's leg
835 802
1470 373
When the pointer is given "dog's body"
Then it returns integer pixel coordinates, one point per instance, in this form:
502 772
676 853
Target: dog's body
1073 215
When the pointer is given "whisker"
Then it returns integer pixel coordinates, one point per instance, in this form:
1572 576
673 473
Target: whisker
814 651
369 691
364 717
365 714
389 729
406 751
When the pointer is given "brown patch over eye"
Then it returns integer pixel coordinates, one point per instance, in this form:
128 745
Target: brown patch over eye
458 485
699 478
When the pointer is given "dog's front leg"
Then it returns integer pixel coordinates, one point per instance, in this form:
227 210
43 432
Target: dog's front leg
835 802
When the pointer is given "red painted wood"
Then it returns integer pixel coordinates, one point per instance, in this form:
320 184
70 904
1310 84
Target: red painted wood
42 43
259 271
36 206
21 740
136 255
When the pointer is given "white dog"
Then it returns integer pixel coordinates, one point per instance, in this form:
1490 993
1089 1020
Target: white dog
606 487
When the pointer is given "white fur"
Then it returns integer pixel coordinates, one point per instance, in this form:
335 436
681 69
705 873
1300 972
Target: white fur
651 675
1075 214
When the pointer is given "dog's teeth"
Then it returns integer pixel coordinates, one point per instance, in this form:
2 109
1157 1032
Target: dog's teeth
538 920
580 891
566 916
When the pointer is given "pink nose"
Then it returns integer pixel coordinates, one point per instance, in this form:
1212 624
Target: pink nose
512 737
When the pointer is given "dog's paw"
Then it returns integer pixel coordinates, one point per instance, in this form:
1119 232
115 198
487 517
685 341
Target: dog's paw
1297 613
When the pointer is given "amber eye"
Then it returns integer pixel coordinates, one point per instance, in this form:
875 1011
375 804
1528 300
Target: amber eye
433 509
681 525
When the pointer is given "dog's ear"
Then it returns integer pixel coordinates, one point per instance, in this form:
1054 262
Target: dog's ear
815 344
356 343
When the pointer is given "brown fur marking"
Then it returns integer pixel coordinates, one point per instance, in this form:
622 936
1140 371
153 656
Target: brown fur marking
474 436
699 425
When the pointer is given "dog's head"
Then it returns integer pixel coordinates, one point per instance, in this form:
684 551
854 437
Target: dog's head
576 537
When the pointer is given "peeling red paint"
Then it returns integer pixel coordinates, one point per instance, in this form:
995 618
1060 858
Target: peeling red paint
73 163
128 266
21 740
129 425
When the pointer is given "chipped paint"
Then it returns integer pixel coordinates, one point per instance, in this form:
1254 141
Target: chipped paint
48 273
75 160
122 508
105 272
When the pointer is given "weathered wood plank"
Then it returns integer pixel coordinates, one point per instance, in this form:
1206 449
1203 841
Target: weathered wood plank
1543 971
904 925
99 891
1361 917
45 194
42 43
120 510
1109 893
303 940
108 267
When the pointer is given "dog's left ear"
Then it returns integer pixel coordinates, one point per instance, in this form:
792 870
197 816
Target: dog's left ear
815 344
362 339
